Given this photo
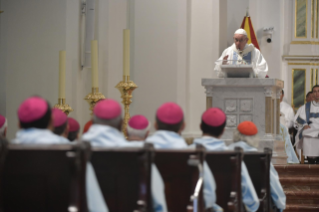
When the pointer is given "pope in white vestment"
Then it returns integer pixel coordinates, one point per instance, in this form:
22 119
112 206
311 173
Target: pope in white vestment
242 53
100 134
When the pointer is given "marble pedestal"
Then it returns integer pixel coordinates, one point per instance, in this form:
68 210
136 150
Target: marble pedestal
252 99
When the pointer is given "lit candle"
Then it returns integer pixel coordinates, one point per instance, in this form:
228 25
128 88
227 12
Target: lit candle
126 52
62 74
94 64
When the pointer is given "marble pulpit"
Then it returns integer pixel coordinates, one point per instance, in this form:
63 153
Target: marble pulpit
252 99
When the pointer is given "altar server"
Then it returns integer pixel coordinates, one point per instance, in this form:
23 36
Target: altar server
74 129
309 98
242 53
213 125
60 123
245 137
106 131
169 125
3 126
308 121
138 128
35 122
286 112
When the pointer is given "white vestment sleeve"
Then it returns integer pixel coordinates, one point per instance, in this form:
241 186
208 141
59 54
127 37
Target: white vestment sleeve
94 195
157 190
260 64
218 63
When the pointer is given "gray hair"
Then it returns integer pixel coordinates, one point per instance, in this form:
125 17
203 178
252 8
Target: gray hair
138 133
252 140
116 122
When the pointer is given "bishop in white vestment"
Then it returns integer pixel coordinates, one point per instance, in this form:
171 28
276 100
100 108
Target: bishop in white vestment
242 53
107 121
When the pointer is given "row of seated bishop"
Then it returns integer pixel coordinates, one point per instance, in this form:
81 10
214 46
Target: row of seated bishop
52 177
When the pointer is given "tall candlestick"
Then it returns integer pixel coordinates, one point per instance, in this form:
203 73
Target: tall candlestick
62 74
126 52
94 64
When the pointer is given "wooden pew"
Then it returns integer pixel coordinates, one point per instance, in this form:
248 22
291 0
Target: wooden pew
226 168
258 165
179 177
124 175
43 177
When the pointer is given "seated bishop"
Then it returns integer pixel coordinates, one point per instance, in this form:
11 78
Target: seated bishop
106 131
138 128
308 122
60 123
169 126
213 125
35 122
245 137
3 126
74 129
242 53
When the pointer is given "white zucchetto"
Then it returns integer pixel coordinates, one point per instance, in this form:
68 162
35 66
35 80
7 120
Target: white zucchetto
240 32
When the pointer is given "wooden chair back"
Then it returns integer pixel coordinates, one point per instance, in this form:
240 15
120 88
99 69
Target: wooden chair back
258 165
43 177
179 177
226 168
124 176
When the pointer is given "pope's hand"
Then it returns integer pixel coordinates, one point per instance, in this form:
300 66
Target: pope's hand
225 60
306 127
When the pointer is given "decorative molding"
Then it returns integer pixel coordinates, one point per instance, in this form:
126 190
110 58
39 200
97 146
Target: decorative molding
303 64
231 121
307 42
246 105
308 58
230 105
268 92
209 90
278 94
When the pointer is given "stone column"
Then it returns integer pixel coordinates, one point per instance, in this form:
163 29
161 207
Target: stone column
268 111
278 94
209 97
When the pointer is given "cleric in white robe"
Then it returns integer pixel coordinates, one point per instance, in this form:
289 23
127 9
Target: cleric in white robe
242 53
286 112
35 121
169 125
308 120
309 98
105 131
212 125
138 128
245 137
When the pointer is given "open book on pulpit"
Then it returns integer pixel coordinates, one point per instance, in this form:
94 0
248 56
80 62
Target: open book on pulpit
236 68
238 71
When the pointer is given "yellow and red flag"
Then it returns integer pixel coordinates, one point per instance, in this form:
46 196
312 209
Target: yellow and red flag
248 27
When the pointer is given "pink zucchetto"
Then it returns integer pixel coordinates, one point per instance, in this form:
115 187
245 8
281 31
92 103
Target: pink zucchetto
138 122
214 117
32 109
107 109
170 113
73 125
59 118
2 121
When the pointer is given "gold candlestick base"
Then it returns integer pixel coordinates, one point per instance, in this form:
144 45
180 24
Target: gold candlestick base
93 98
126 88
62 106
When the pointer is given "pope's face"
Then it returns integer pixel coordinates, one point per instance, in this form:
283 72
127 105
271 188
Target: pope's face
240 41
315 94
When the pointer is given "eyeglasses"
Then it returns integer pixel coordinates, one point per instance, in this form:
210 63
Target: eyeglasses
239 41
